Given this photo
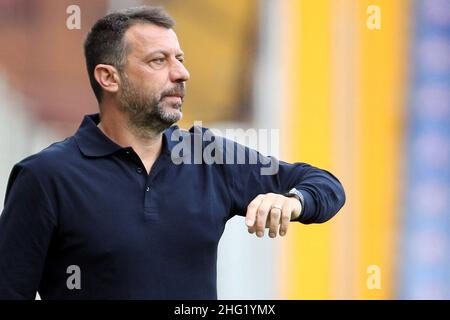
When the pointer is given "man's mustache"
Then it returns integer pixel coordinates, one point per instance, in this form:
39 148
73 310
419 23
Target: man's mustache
177 91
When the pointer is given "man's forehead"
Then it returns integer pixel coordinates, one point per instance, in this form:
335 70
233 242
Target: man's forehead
147 37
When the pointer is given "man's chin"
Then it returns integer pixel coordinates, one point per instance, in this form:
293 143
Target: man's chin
172 116
174 120
173 112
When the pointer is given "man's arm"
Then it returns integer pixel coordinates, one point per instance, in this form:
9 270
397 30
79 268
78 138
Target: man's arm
26 227
260 197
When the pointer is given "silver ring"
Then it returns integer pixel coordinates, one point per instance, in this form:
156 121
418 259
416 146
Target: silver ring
275 206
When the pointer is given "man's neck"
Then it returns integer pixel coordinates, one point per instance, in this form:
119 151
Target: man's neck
148 147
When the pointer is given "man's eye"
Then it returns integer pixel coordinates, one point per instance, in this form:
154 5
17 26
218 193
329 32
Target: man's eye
159 61
181 60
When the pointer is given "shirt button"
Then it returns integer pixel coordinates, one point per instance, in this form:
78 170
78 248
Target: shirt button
139 170
147 189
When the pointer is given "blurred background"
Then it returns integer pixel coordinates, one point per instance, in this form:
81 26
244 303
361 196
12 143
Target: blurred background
358 87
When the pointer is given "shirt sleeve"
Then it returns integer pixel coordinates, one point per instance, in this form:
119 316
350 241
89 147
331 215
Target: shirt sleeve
27 224
323 193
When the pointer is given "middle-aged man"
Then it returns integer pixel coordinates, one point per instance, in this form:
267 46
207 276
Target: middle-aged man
119 210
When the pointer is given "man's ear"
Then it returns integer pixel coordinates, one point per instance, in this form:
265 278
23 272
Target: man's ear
107 77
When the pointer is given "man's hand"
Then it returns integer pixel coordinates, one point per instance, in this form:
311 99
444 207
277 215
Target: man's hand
269 211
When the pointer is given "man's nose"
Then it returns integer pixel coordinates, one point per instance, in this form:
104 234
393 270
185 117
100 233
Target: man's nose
179 73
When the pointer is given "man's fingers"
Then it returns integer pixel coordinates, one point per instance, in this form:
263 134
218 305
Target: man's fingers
261 215
252 208
269 211
274 217
285 218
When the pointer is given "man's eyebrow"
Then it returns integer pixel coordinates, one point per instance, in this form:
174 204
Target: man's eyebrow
164 52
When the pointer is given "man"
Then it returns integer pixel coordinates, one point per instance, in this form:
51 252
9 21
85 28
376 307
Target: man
114 212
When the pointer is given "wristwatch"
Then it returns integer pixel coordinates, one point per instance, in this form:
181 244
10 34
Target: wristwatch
294 193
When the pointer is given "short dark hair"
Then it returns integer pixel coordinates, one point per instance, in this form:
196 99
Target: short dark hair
105 44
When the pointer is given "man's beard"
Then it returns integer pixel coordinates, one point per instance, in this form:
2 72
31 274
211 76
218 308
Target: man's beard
146 112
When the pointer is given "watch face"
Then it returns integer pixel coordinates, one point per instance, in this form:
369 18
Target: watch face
295 192
299 196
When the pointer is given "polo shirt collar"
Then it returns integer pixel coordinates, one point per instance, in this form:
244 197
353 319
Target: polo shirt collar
92 142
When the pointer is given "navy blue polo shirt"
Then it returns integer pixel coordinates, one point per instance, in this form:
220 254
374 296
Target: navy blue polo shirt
88 203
